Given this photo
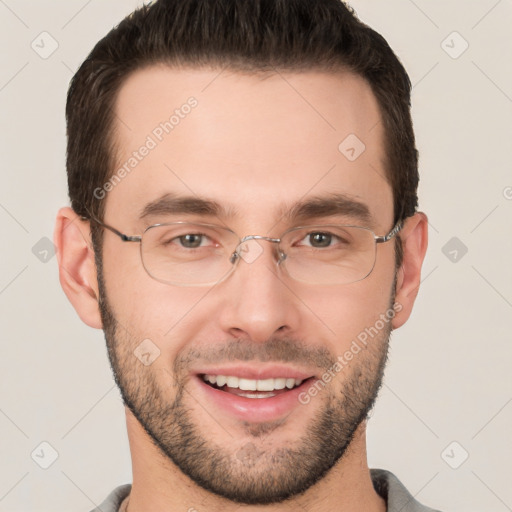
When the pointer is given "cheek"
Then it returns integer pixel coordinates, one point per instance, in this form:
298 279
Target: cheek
146 308
343 312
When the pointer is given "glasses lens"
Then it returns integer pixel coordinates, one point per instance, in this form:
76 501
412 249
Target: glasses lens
187 254
329 254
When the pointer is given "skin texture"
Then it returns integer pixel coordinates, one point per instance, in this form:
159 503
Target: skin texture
256 147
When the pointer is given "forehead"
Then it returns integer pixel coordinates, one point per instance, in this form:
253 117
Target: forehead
254 144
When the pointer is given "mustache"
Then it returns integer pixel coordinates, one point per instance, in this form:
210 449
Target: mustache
282 350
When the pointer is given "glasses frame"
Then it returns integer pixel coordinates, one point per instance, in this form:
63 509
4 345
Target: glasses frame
235 257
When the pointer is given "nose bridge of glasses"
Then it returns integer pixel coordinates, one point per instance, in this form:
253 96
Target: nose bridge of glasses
259 237
249 249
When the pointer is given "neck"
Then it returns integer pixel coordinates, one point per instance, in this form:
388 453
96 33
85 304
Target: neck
159 485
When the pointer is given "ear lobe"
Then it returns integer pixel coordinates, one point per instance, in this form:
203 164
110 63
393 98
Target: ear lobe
77 268
414 238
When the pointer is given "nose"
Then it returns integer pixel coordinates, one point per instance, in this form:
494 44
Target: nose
259 301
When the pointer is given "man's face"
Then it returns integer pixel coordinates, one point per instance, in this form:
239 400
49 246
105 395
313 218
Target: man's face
256 147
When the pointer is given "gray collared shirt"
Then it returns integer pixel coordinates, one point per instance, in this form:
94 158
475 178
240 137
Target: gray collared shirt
397 497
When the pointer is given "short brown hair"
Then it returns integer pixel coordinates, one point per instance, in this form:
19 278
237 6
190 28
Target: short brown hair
241 35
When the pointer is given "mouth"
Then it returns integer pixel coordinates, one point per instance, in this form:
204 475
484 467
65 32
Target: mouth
252 388
252 395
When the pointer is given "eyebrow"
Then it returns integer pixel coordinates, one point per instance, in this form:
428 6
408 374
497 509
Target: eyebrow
170 204
334 204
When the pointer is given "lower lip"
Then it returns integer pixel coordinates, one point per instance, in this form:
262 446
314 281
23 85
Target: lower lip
255 410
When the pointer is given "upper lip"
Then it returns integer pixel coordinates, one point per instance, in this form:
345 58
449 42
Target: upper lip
256 373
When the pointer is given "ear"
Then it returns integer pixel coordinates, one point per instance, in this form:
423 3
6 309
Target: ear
77 268
414 236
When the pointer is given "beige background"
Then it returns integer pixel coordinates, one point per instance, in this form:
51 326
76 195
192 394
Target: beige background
448 379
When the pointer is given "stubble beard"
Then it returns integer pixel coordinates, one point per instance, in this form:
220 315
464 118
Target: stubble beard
249 472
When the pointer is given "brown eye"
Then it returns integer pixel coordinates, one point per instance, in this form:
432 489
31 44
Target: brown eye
191 241
320 239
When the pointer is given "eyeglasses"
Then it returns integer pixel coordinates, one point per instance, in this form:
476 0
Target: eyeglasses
190 254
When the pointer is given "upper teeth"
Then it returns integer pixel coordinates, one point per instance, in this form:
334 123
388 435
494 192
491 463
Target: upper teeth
250 384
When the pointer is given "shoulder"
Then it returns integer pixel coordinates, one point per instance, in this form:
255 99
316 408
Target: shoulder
114 499
397 497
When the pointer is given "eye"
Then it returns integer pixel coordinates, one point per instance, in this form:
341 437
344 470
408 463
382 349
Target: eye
186 242
320 240
191 240
176 239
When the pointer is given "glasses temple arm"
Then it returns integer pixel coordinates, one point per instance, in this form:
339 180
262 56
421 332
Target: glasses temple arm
122 236
396 229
